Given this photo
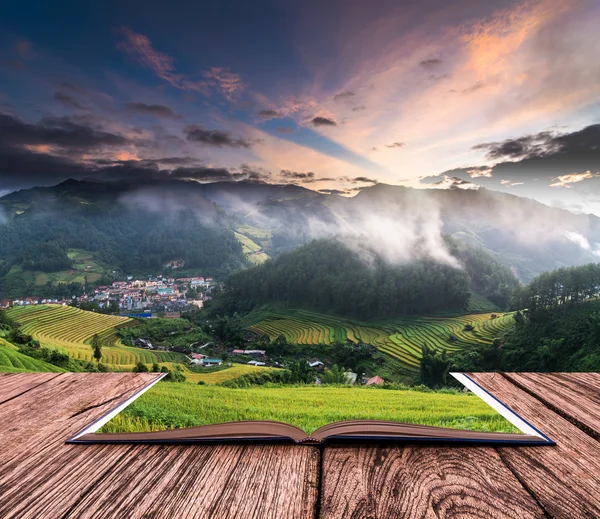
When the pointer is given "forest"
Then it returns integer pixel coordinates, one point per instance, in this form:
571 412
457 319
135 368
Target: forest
125 239
327 276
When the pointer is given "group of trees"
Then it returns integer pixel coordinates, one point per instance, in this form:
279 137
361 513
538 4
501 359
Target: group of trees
559 288
327 276
124 238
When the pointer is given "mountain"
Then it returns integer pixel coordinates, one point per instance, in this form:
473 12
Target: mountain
47 233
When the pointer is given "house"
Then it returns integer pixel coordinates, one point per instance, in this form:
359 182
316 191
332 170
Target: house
238 352
255 353
256 363
5 303
197 356
314 363
172 315
375 381
212 362
196 361
350 377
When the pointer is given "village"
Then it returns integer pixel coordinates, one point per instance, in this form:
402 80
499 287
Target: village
138 297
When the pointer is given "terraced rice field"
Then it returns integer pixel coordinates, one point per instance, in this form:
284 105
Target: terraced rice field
400 338
235 371
13 361
71 330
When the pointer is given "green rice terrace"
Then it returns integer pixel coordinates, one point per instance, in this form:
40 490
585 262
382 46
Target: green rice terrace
174 405
400 338
71 330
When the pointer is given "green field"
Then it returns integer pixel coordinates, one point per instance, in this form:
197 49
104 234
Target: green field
70 330
170 405
253 241
84 266
13 361
400 338
215 377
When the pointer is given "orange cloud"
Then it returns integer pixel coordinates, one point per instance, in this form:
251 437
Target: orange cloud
572 178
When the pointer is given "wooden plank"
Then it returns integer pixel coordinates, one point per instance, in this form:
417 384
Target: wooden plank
43 477
14 384
58 407
40 472
197 482
575 395
565 479
421 482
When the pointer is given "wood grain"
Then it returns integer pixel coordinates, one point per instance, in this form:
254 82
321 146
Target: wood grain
421 482
197 482
42 477
565 479
14 384
575 395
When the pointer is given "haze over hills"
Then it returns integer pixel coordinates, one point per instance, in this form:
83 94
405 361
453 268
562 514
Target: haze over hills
126 226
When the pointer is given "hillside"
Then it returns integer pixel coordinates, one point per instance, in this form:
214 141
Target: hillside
354 280
70 330
122 227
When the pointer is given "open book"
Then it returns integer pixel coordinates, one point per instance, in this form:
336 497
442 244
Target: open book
358 430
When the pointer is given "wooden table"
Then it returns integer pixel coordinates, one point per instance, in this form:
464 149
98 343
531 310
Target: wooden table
42 477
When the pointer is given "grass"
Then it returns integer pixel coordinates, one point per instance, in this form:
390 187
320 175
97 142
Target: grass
11 361
400 338
215 377
78 273
253 240
170 405
70 330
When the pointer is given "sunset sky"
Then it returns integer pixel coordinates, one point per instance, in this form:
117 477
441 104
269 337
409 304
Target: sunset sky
332 95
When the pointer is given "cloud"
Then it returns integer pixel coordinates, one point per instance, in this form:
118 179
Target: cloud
298 176
478 85
60 132
539 144
344 96
228 82
510 183
285 129
139 48
396 145
323 121
572 178
270 113
364 180
480 171
334 191
68 100
153 110
431 63
219 138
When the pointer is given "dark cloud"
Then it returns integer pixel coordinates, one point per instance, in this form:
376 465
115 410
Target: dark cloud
62 132
153 110
396 145
304 178
334 191
269 113
359 108
528 146
218 138
285 129
343 96
364 180
67 100
431 63
323 121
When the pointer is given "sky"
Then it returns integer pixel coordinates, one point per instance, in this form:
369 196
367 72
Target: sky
334 95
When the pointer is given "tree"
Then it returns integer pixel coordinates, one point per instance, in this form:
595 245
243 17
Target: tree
434 367
155 367
140 367
97 347
335 375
